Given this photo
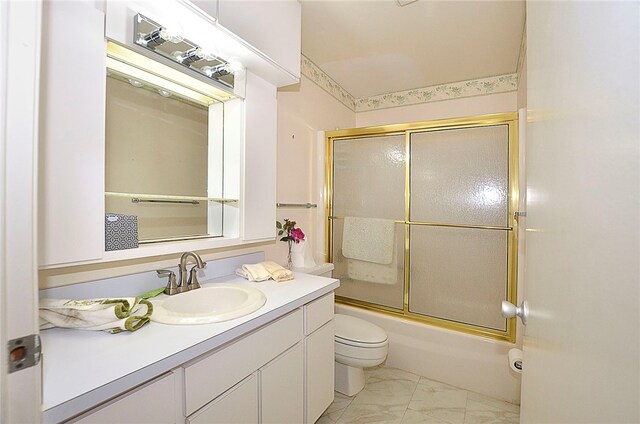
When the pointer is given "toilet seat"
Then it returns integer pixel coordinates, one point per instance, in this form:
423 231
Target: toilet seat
360 344
358 332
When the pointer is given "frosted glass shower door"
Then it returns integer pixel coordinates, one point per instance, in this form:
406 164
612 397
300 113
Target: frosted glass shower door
459 234
368 185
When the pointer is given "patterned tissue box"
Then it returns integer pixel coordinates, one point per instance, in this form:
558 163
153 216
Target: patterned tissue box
120 231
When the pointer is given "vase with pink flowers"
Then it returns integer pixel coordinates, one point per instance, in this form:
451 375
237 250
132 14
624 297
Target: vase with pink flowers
293 235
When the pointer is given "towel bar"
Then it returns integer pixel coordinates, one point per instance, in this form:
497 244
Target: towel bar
296 205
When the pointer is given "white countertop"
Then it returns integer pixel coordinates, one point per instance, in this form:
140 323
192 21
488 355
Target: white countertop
85 368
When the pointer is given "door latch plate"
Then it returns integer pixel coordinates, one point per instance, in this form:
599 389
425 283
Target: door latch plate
24 352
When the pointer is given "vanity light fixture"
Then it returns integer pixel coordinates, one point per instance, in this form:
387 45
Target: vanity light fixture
158 39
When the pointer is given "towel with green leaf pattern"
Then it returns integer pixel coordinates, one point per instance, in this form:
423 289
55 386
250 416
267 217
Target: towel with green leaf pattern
111 315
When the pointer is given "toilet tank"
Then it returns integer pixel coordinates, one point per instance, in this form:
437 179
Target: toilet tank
323 270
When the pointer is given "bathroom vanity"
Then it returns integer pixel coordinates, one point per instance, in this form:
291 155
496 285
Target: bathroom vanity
274 365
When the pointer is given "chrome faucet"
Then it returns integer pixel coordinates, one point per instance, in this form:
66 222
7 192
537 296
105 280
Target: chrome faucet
192 282
185 283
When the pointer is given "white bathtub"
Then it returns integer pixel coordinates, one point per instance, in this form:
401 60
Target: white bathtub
469 362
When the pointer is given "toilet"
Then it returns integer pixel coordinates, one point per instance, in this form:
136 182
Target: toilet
358 343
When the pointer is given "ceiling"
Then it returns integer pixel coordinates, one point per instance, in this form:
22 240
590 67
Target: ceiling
373 47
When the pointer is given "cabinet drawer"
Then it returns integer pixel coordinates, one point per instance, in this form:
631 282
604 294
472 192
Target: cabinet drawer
214 374
318 313
238 406
154 403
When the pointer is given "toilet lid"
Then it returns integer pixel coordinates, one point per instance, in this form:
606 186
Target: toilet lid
354 329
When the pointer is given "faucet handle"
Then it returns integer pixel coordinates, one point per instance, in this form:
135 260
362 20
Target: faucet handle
193 278
172 286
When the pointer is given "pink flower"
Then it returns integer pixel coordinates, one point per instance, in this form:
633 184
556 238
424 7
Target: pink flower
296 235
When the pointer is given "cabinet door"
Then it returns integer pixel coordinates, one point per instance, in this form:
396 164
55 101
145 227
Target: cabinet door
72 108
153 403
272 27
282 388
320 357
259 210
238 405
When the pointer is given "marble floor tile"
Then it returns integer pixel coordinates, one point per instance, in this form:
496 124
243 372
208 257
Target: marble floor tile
491 417
419 417
336 409
386 392
478 402
384 373
364 413
393 396
483 409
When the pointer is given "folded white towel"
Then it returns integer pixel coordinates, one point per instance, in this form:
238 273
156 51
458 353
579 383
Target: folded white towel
264 271
253 272
278 273
368 239
111 315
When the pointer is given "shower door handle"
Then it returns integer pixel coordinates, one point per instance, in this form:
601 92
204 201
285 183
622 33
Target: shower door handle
509 310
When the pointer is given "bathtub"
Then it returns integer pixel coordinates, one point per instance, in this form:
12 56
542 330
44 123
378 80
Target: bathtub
469 362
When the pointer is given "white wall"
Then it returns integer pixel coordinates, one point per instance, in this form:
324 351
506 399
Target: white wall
303 110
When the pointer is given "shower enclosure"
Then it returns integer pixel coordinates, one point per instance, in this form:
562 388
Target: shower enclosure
422 223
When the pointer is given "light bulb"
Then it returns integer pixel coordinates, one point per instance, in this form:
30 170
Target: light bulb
169 34
135 83
235 66
190 56
217 71
164 93
159 37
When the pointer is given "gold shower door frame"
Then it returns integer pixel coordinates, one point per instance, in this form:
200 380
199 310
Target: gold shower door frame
509 119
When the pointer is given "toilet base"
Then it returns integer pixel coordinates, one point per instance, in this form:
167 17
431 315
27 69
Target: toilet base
348 380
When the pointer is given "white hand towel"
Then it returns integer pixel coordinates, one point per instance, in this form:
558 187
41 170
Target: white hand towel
277 272
253 272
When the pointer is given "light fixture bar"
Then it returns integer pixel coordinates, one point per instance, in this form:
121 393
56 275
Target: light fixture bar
152 36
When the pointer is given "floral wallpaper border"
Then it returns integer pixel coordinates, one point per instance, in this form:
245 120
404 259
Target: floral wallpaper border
523 52
317 75
471 88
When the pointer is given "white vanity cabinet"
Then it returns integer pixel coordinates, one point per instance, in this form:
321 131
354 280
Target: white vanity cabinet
255 22
276 367
208 377
271 27
72 149
259 206
72 131
154 402
319 356
282 388
238 405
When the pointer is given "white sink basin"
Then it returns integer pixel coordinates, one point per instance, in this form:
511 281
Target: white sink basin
215 303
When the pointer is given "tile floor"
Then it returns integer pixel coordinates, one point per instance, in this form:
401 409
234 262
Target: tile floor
395 396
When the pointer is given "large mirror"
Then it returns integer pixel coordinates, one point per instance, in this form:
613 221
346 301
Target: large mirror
164 151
